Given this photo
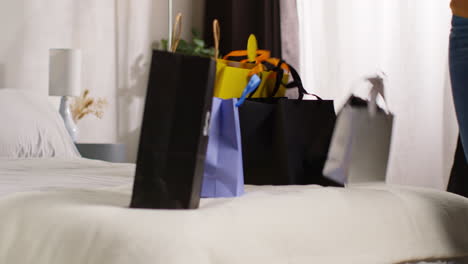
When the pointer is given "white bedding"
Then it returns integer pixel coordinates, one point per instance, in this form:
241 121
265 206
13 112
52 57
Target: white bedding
26 175
91 224
31 127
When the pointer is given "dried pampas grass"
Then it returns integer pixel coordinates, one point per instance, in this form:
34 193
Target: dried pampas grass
85 105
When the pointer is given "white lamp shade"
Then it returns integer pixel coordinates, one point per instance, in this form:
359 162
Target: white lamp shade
64 72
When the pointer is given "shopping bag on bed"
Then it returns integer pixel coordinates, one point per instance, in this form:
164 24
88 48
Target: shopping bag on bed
233 76
361 140
224 174
174 133
285 141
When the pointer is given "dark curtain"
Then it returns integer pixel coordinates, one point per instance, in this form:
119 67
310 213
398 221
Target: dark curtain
458 182
240 18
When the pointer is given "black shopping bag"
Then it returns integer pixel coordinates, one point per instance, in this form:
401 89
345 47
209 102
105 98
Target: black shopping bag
285 142
174 135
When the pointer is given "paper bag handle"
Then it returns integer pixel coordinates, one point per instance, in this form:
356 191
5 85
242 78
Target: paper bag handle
217 37
176 33
378 88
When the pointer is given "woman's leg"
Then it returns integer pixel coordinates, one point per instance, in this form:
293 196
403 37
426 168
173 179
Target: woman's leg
458 58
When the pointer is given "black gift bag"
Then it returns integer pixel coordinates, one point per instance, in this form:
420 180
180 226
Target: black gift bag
285 141
174 134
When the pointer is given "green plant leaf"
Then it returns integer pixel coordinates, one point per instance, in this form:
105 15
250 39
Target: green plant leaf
164 44
196 33
199 42
195 47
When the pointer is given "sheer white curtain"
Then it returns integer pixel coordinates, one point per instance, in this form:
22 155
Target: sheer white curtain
342 41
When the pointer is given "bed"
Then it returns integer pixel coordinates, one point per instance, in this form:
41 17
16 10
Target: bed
56 207
76 211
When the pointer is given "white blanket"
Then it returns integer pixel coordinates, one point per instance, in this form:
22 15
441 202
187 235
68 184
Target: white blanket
271 225
25 175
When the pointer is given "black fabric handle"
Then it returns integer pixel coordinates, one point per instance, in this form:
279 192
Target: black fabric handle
279 78
279 75
297 81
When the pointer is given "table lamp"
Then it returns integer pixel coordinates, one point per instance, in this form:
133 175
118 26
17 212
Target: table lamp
65 81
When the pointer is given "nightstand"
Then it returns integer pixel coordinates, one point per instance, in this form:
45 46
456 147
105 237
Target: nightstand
105 152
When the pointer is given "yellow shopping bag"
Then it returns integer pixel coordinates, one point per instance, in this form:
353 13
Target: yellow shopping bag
232 76
231 79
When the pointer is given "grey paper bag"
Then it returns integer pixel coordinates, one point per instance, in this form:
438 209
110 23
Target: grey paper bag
360 145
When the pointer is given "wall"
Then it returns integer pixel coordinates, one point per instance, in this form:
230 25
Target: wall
30 27
115 37
141 25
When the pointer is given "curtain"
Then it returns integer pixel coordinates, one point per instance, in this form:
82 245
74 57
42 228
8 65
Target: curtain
290 33
240 18
343 41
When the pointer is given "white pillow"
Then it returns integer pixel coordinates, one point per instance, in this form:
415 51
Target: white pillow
31 128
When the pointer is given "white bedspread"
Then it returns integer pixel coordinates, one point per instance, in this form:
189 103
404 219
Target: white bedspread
44 174
91 224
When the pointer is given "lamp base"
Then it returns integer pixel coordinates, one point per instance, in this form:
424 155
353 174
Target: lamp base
65 112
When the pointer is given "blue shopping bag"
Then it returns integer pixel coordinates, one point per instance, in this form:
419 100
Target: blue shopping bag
224 173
